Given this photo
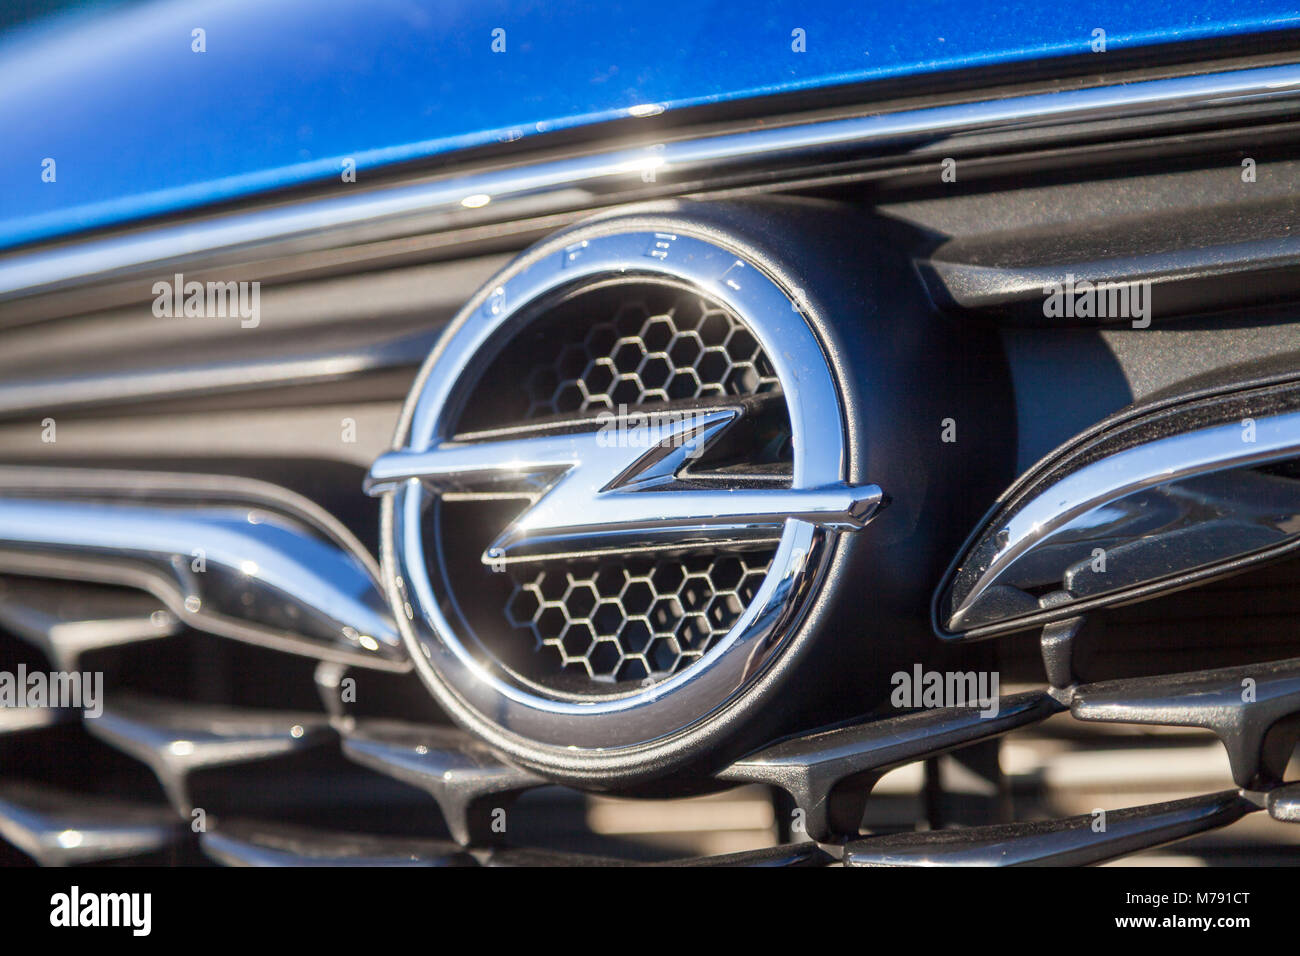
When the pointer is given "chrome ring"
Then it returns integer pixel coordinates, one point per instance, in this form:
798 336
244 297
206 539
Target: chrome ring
447 662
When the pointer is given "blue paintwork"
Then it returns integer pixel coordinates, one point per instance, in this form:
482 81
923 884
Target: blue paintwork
141 125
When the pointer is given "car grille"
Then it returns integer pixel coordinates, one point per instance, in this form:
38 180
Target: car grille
273 752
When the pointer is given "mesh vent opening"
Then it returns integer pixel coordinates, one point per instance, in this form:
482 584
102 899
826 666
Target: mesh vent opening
622 343
601 626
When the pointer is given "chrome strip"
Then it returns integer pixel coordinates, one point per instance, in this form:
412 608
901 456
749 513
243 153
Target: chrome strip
232 557
239 843
1138 520
617 176
1284 803
607 490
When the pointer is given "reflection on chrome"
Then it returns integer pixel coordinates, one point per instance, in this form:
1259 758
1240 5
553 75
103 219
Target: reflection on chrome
599 498
1140 521
236 558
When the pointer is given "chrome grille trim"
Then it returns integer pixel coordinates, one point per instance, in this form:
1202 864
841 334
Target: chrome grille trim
36 615
653 170
1186 505
312 590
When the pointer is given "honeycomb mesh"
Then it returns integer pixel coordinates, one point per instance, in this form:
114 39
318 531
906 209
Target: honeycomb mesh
648 352
635 620
619 619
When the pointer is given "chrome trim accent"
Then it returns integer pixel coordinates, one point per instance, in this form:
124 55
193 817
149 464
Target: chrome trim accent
277 570
782 855
1284 803
451 663
583 182
785 854
1187 504
603 494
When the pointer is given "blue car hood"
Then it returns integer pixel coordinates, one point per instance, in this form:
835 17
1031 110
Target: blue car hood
287 91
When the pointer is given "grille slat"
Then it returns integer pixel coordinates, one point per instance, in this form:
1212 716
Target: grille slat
177 739
463 776
64 624
242 843
1070 842
57 828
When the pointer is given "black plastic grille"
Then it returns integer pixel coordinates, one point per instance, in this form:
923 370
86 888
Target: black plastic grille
635 620
653 349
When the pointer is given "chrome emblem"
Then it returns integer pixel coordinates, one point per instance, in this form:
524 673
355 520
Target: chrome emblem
620 487
613 484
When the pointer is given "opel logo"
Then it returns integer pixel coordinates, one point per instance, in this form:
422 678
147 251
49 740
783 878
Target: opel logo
606 484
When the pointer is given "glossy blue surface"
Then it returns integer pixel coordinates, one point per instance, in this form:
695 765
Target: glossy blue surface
139 124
